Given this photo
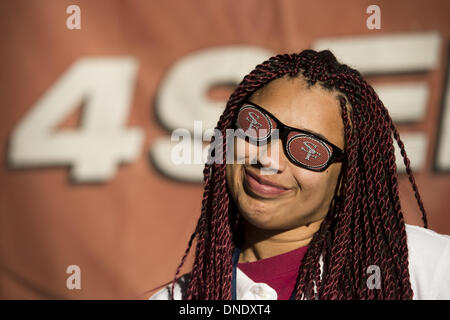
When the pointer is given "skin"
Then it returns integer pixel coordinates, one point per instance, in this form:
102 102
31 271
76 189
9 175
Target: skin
277 224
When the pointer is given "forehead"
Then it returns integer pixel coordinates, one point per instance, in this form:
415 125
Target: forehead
293 103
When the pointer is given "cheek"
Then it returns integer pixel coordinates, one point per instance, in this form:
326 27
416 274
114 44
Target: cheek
244 151
232 172
229 172
317 186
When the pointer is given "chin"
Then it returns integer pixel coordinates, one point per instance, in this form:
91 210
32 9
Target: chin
262 220
261 224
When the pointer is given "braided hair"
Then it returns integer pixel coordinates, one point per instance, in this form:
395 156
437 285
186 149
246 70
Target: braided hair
365 224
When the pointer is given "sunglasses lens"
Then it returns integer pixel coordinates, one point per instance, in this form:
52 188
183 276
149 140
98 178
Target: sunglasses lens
255 124
308 151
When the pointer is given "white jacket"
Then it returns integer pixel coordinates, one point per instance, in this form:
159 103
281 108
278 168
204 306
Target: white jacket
429 270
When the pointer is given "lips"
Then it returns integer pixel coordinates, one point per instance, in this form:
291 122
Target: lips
263 187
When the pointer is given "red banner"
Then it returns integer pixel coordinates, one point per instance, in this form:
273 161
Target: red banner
90 206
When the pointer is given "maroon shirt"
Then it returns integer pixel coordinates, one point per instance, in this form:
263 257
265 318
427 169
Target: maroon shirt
279 272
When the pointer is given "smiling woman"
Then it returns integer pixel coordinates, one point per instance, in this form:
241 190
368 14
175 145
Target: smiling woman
328 215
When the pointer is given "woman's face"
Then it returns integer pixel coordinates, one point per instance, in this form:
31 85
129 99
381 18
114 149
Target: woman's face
306 195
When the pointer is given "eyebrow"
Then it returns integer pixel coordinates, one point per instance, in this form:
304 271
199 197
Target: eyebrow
312 132
301 129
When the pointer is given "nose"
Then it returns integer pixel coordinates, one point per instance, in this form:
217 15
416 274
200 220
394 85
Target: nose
271 158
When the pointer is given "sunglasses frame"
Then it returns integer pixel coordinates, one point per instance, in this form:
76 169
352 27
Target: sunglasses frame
337 154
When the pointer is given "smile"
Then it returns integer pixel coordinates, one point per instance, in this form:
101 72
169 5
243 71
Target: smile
262 187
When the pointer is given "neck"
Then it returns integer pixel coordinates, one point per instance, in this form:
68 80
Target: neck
261 244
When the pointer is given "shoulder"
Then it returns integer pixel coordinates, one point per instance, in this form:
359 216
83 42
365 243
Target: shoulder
179 291
420 231
426 242
429 262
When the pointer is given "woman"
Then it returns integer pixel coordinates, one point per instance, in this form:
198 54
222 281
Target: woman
327 222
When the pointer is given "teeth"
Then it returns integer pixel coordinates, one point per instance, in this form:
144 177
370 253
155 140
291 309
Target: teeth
268 185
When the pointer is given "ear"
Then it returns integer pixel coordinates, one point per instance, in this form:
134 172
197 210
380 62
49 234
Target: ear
340 184
339 190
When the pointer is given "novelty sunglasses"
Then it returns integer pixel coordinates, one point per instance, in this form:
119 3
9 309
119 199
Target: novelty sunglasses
302 147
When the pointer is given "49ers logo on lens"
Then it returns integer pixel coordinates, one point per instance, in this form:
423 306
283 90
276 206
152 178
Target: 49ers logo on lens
256 124
308 150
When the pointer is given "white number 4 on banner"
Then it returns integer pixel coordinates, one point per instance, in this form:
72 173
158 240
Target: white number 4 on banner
95 149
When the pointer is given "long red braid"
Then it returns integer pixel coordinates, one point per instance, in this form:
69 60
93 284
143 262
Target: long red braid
364 226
